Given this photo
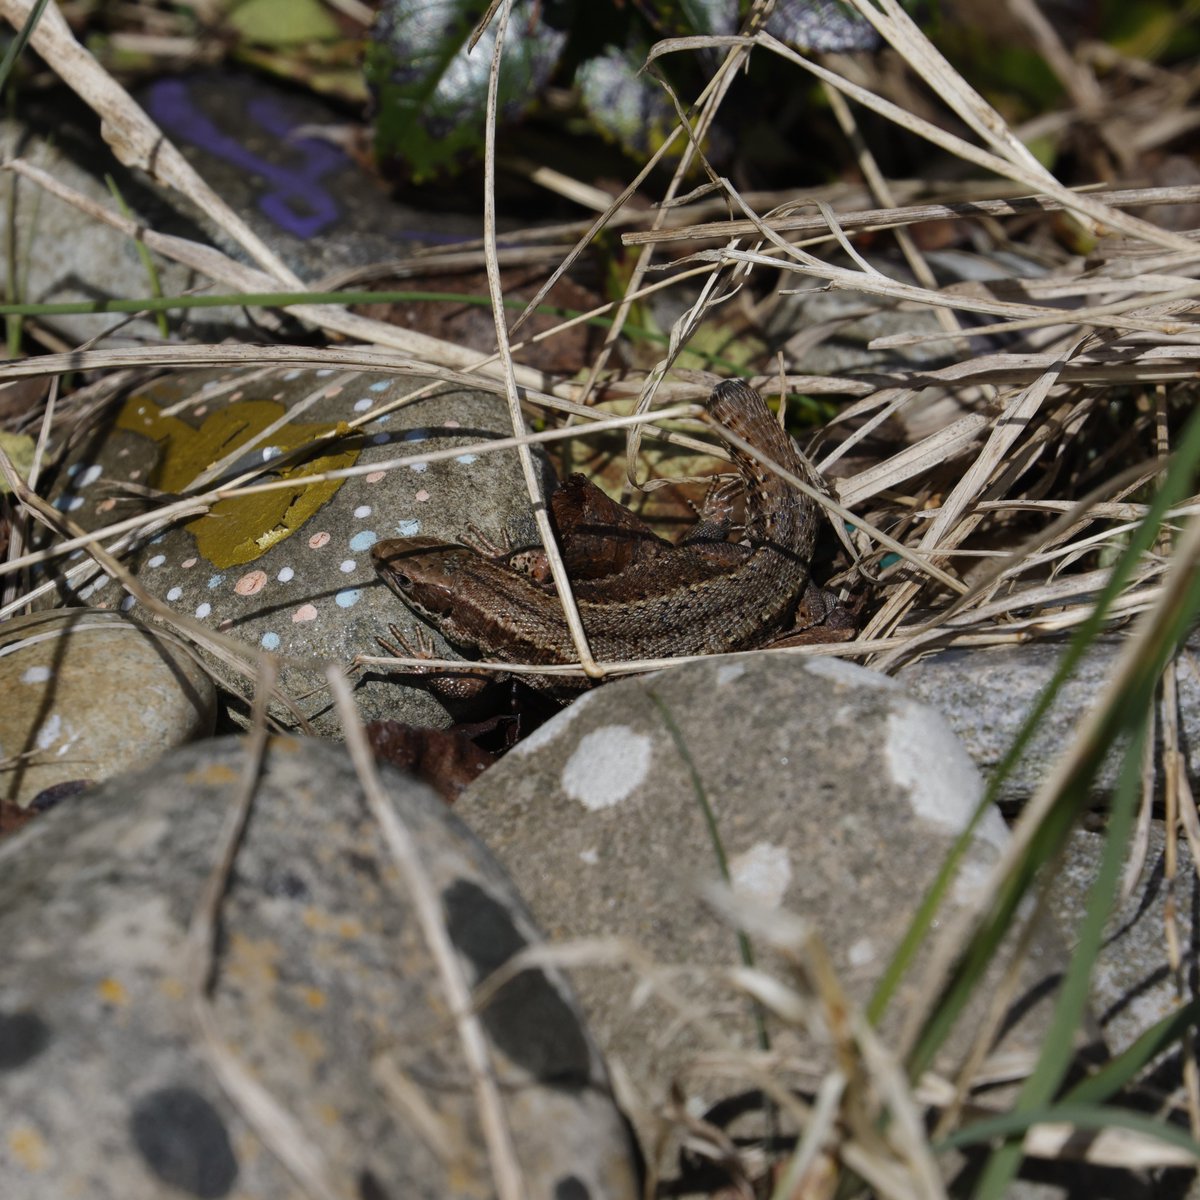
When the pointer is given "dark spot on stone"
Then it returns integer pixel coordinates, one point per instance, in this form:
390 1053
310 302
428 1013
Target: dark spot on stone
528 1018
287 884
369 1187
184 1141
23 1036
47 798
571 1188
363 864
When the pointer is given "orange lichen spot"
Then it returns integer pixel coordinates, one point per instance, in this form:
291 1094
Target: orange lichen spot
310 1045
172 988
313 997
252 962
350 927
214 774
112 991
28 1147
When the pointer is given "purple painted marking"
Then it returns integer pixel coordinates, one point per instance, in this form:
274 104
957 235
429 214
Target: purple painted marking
296 203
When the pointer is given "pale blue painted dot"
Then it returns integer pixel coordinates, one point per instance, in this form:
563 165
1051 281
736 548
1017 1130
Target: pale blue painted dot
203 610
291 375
347 565
419 467
128 603
215 581
323 372
76 554
380 439
363 510
348 598
68 503
90 475
363 541
74 470
86 592
158 537
409 527
270 452
465 459
174 594
381 386
157 560
269 641
101 582
363 404
285 575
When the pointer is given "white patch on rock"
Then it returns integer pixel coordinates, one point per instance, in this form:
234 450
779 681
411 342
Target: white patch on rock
930 763
590 856
607 766
861 953
36 674
848 673
50 731
140 934
763 872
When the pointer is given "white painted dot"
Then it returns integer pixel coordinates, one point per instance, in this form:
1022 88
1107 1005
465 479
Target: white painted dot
50 730
324 371
931 765
174 594
363 510
90 475
381 386
270 452
285 575
419 467
290 375
591 857
465 459
203 610
347 565
729 672
408 528
128 603
762 872
157 560
35 674
362 405
607 766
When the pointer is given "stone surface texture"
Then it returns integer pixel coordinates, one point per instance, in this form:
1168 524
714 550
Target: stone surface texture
985 695
290 571
323 989
836 797
86 695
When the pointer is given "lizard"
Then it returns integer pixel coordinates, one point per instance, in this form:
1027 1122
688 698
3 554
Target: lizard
702 595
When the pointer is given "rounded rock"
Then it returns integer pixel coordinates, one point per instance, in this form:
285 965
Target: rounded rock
88 694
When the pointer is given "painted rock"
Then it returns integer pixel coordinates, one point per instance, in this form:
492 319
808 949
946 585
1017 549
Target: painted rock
90 694
323 992
290 571
835 797
254 143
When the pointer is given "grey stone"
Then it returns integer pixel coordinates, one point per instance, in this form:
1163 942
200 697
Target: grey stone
291 572
258 146
323 989
985 694
90 694
836 797
1132 985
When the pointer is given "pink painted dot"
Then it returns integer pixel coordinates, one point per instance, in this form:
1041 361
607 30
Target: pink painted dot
375 476
251 582
318 540
334 389
106 505
224 625
135 475
421 496
452 424
236 396
188 563
199 410
306 612
277 396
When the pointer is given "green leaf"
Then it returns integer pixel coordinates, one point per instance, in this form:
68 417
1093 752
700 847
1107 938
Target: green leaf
432 94
283 22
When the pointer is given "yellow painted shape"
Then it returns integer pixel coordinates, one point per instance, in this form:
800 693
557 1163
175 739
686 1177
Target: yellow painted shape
240 529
